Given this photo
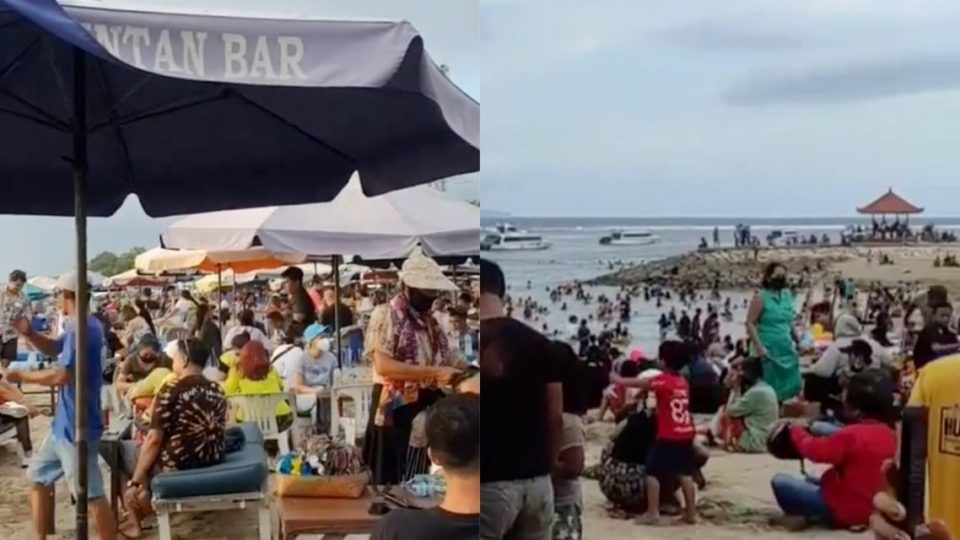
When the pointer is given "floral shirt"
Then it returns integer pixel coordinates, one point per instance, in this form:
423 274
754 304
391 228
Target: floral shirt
192 415
10 310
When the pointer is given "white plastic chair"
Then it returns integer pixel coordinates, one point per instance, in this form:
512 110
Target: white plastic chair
355 386
261 409
171 334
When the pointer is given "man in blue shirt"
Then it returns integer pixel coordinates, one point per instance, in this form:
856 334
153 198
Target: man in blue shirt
58 456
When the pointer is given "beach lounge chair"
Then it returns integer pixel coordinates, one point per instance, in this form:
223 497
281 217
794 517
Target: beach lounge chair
239 482
261 409
355 386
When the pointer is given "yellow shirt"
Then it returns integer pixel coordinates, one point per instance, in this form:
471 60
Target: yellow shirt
816 330
938 389
152 383
235 385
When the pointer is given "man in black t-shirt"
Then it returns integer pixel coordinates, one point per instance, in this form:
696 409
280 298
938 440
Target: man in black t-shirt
304 312
453 443
936 339
520 433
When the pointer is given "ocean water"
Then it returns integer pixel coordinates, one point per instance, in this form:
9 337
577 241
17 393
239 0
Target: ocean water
576 254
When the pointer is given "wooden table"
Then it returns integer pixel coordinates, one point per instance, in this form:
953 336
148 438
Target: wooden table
333 518
300 515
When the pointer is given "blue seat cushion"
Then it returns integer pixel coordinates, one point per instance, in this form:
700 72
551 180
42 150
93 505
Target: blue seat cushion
241 472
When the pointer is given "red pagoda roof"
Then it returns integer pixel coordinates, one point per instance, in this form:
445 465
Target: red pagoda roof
890 203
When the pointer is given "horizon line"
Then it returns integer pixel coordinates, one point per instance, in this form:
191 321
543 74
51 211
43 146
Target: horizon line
506 215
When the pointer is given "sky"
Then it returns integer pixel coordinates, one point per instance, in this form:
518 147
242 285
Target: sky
45 245
793 108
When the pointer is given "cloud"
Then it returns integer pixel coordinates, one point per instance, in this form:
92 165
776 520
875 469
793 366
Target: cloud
721 35
854 81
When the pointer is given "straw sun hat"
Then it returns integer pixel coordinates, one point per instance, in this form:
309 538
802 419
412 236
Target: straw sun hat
422 272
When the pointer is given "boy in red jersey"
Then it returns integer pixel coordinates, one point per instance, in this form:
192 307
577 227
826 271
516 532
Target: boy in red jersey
672 456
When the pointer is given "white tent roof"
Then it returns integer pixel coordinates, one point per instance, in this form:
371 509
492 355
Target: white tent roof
384 227
44 283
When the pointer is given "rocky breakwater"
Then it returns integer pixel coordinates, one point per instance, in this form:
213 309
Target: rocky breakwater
729 269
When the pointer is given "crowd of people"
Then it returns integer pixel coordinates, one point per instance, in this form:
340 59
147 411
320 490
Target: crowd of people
171 363
824 382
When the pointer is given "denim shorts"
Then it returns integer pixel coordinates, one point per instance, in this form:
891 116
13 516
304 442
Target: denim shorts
58 458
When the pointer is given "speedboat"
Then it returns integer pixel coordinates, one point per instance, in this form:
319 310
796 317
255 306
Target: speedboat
629 238
506 237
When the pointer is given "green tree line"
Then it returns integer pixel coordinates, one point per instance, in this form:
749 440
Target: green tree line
109 264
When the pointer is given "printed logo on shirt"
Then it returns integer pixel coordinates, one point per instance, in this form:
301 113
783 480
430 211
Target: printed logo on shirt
950 430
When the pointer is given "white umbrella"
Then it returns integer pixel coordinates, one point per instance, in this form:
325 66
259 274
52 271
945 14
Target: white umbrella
385 227
44 283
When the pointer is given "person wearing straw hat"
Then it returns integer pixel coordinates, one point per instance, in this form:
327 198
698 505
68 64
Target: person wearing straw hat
411 359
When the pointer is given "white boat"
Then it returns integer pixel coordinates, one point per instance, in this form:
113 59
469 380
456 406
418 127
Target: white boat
506 237
630 238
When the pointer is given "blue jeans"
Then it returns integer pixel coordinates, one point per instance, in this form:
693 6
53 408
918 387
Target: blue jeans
800 497
58 457
824 429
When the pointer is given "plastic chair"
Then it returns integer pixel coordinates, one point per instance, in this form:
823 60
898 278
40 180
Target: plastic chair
353 346
361 392
261 409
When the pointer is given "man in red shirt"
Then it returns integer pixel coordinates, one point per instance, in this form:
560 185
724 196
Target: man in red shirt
673 456
843 497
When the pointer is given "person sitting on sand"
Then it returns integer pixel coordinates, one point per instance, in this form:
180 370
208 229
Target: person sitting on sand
673 455
743 425
619 399
822 383
936 339
187 431
820 315
843 496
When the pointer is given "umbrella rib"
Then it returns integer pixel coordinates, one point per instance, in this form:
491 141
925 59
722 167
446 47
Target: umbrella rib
56 75
49 119
170 108
16 60
111 115
291 125
38 120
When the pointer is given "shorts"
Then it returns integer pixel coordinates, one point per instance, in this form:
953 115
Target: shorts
58 458
671 459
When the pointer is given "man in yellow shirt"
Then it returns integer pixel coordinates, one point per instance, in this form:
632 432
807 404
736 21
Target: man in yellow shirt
938 389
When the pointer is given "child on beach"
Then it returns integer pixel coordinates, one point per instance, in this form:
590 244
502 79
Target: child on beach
617 398
672 456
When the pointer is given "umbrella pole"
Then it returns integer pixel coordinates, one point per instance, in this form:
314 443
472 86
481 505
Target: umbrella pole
336 310
219 298
80 366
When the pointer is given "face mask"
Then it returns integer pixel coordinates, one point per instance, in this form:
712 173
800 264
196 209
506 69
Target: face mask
778 282
419 301
148 359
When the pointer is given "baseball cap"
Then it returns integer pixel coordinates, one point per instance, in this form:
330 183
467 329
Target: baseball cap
314 331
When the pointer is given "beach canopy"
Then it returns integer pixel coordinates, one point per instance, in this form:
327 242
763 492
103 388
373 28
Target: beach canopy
384 227
194 112
159 260
44 283
132 278
890 203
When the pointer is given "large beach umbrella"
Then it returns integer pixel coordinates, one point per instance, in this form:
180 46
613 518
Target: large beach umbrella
160 260
387 226
196 113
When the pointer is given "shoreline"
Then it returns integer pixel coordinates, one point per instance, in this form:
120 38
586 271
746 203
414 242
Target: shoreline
740 268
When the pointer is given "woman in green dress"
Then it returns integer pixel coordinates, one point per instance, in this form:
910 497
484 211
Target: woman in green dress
770 325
